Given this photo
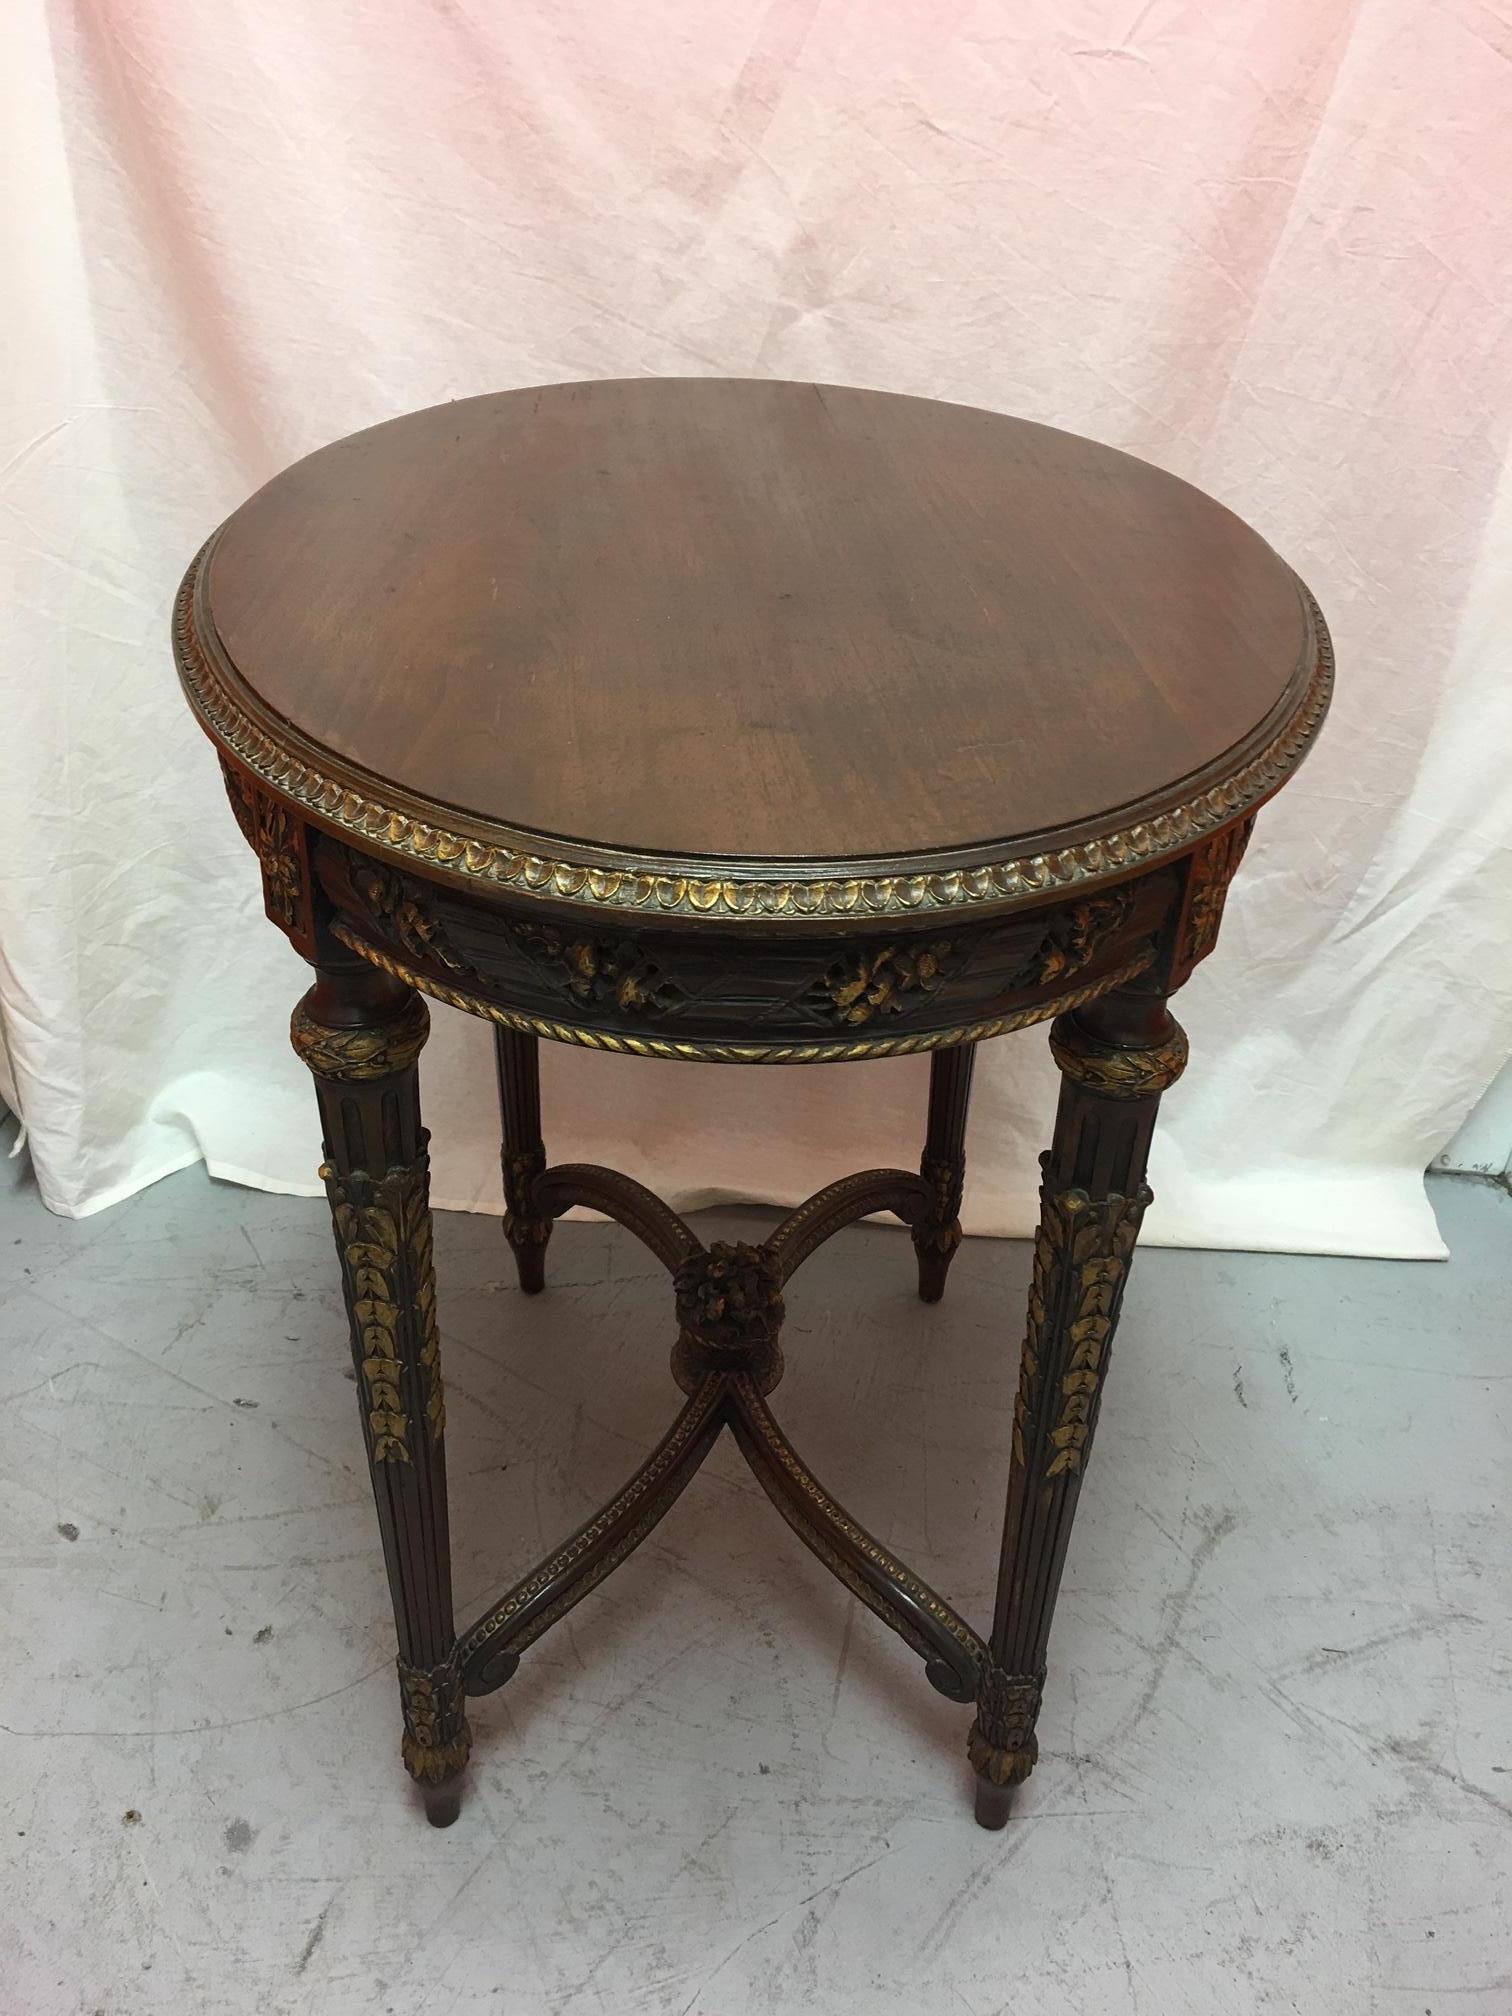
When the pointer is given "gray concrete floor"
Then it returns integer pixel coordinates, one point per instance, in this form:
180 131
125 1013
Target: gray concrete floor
1276 1769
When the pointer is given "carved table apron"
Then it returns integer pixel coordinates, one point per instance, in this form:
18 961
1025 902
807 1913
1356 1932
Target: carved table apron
393 895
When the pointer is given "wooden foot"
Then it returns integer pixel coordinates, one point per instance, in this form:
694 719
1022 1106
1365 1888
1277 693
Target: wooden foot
530 1259
442 1803
933 1268
994 1803
1116 1057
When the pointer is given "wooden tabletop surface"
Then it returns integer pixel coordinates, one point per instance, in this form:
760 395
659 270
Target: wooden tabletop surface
742 619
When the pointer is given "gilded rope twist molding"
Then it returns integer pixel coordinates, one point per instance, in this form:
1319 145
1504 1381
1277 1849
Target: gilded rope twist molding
741 1053
397 832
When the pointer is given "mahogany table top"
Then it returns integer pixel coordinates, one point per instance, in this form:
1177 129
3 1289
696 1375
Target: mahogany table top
729 633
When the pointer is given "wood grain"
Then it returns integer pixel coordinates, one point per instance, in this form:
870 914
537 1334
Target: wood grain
754 620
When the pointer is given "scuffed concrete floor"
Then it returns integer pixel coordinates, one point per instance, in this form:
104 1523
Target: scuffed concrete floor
1277 1750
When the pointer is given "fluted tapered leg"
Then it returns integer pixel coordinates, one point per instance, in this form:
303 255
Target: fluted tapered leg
524 1154
937 1233
361 1033
1116 1057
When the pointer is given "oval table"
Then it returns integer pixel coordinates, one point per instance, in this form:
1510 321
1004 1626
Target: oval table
758 723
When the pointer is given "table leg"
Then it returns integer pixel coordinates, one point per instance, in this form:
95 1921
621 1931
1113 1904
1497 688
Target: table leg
361 1033
524 1153
937 1234
1116 1057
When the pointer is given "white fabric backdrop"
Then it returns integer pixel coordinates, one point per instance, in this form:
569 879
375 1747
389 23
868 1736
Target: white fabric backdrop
1266 247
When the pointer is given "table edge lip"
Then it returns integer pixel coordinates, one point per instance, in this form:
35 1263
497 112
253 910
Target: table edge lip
461 847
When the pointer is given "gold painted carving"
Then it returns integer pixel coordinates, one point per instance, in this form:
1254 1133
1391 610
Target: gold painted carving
437 1739
729 1296
879 980
592 969
1112 1072
588 969
1214 866
353 1056
524 1225
342 804
383 1233
888 979
944 1180
283 876
396 902
1077 935
1002 1745
271 833
742 1053
1081 1260
243 801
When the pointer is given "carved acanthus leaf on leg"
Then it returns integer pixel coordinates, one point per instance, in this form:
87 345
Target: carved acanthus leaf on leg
1002 1745
437 1738
944 1179
524 1225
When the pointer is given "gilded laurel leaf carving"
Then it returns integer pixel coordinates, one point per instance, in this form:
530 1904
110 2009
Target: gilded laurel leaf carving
1081 1257
368 1240
354 1056
1113 1072
437 1739
1002 1744
383 1234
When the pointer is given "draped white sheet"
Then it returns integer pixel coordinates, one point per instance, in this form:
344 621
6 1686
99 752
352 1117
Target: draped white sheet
1266 247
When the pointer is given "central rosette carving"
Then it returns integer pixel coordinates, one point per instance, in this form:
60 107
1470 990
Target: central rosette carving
729 1311
730 1296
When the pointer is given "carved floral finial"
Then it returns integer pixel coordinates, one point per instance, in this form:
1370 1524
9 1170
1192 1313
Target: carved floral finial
730 1296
